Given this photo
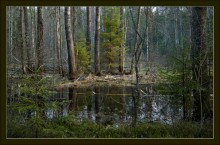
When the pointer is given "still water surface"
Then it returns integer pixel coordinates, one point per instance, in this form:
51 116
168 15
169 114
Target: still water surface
111 105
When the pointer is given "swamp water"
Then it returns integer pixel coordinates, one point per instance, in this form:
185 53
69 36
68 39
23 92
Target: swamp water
115 105
108 107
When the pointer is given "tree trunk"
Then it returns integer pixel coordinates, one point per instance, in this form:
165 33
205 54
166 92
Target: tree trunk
176 32
31 39
88 32
11 33
70 44
136 29
121 53
27 39
23 44
147 29
151 28
39 40
34 36
137 49
165 32
97 42
61 45
199 64
150 33
74 29
58 40
181 31
8 27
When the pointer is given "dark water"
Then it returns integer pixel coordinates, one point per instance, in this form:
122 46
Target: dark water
118 105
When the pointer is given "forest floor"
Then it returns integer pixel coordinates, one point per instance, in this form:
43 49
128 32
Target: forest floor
117 80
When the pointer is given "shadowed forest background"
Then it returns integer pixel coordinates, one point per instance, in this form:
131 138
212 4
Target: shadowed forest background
109 72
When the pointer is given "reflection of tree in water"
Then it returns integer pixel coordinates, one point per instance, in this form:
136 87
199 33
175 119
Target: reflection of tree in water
104 107
61 109
152 107
97 95
112 105
89 107
123 111
149 101
135 106
73 98
165 109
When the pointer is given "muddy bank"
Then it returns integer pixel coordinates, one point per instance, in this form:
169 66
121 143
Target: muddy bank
117 80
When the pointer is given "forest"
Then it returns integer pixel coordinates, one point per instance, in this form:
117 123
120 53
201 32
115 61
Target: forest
109 72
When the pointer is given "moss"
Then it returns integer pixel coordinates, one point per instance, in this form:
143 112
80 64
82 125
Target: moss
88 129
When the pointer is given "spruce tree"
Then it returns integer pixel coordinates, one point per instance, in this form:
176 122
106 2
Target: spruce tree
112 37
